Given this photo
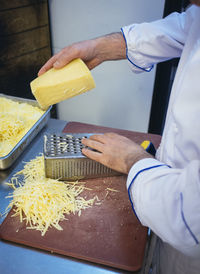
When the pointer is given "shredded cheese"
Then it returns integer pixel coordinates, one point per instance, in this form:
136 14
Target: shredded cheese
44 202
112 189
16 119
63 146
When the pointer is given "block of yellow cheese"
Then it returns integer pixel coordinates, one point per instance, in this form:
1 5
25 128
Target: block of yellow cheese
57 85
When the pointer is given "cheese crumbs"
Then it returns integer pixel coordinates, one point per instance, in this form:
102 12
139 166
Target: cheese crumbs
44 202
16 119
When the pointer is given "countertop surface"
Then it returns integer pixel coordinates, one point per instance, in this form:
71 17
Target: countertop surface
20 259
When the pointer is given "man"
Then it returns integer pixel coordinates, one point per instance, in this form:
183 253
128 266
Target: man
164 192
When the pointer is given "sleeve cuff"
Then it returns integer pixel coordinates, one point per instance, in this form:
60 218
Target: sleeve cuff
143 164
135 68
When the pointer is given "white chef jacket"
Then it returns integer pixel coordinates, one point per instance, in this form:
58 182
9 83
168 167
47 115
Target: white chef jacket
165 192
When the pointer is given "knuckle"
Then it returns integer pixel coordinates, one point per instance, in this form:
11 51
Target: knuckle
75 49
111 134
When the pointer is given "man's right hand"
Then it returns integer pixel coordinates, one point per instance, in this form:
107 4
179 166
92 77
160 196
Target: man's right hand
92 52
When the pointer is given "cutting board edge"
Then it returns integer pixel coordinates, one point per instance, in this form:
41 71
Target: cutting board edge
74 255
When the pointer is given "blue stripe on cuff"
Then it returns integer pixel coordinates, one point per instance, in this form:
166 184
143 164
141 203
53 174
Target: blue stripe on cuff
147 70
129 188
184 220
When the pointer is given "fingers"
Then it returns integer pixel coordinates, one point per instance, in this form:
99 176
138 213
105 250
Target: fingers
66 56
93 143
60 59
94 155
84 50
105 136
48 64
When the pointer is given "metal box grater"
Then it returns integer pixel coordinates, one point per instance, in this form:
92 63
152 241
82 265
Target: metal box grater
64 160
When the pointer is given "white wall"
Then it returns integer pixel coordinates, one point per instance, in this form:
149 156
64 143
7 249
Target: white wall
121 98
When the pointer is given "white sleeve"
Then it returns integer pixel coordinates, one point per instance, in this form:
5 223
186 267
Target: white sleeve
167 200
150 43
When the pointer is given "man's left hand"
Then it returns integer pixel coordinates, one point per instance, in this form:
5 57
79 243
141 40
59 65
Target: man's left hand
114 151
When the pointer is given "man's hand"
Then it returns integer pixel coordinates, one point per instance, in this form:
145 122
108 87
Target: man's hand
92 52
114 151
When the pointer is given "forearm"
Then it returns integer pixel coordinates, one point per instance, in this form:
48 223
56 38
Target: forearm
93 52
111 47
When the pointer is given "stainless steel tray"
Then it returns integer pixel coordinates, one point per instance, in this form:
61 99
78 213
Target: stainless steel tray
8 160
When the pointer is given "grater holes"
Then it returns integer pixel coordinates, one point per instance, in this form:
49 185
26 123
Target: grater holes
65 145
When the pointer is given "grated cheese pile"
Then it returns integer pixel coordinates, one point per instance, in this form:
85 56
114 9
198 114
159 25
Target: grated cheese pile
44 202
16 119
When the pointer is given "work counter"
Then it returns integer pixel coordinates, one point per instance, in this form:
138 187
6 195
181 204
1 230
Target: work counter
20 259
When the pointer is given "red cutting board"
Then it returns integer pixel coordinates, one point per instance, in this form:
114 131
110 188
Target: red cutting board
107 234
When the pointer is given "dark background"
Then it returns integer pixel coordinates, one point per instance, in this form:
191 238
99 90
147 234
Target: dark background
25 45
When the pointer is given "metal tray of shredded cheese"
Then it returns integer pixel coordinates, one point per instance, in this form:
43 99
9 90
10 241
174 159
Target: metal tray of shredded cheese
7 160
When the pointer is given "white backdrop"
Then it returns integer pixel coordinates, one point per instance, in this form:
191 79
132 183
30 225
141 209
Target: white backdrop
121 98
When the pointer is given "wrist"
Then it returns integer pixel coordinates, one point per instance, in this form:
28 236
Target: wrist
136 158
111 47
